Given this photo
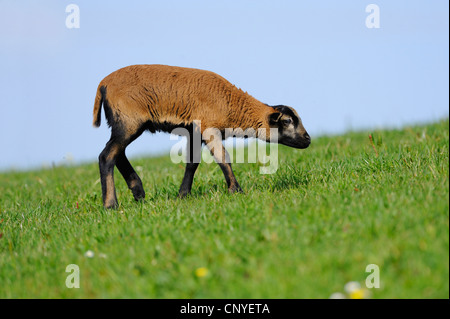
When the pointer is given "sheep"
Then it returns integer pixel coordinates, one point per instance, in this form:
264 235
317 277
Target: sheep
154 98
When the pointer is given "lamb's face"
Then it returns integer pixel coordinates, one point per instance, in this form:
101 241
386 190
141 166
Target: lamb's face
290 128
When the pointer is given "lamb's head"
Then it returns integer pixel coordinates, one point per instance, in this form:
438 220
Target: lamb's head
290 128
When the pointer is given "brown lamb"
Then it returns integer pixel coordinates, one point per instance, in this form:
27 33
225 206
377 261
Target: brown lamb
161 98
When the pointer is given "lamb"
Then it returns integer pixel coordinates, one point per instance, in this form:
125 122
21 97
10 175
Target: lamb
154 98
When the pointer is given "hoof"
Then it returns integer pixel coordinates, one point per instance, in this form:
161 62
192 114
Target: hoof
138 194
112 205
235 189
183 194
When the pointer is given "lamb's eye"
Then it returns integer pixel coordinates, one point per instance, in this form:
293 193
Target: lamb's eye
287 122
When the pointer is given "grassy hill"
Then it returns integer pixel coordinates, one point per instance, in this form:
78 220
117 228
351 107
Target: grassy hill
303 232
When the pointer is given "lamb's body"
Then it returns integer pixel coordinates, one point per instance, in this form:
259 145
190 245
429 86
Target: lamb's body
160 98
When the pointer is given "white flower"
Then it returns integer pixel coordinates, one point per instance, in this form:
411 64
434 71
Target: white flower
352 286
338 295
89 254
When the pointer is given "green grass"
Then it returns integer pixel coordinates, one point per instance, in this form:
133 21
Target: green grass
303 232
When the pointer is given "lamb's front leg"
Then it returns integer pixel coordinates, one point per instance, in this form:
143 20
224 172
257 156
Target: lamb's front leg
192 161
186 184
222 158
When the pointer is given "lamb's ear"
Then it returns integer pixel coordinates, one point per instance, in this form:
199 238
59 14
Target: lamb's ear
274 118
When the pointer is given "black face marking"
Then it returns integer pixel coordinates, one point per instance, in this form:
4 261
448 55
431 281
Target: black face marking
274 117
290 128
286 110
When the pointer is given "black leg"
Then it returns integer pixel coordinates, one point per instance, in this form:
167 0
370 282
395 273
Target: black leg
232 183
222 158
107 160
193 159
131 177
188 178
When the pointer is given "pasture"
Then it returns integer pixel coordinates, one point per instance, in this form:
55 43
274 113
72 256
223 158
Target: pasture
304 232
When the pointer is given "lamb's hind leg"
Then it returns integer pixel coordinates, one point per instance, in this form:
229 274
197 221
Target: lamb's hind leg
107 160
131 177
114 155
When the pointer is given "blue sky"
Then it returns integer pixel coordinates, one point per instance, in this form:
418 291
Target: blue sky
317 56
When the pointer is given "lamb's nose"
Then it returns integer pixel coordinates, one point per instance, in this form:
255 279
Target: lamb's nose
307 137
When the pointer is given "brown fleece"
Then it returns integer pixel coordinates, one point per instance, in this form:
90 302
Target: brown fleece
161 94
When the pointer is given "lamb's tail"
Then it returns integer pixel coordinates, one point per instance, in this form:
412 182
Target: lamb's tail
98 106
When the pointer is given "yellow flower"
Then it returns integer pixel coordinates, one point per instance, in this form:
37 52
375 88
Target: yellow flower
357 294
201 272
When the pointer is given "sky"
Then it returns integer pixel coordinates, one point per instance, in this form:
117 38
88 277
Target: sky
316 56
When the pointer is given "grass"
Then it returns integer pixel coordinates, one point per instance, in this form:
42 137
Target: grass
303 232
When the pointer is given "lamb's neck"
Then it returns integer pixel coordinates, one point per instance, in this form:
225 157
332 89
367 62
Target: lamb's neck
253 114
